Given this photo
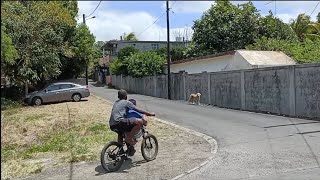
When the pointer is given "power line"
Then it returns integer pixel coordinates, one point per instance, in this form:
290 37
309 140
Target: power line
315 8
151 24
95 8
268 2
156 20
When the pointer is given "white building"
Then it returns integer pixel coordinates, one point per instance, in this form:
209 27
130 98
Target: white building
231 60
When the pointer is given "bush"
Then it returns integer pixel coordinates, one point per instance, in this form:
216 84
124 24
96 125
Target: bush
302 52
119 67
145 64
8 104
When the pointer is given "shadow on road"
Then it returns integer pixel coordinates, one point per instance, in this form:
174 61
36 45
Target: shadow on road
97 84
128 164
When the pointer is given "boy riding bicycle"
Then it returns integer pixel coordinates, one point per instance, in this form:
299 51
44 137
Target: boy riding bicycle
120 123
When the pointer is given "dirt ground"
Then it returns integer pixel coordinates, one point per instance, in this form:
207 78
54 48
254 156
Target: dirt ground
179 151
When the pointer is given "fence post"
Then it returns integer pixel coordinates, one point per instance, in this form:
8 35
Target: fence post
209 88
120 86
184 75
243 92
155 85
292 91
144 86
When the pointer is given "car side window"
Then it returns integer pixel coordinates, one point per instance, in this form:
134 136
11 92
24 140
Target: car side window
66 86
53 88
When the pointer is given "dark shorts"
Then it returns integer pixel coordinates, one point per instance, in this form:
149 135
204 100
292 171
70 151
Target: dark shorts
124 125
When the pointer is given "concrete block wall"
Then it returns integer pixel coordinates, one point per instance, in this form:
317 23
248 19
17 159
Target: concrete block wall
288 90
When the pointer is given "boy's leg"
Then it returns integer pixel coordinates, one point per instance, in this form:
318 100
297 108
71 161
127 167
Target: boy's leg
137 125
120 138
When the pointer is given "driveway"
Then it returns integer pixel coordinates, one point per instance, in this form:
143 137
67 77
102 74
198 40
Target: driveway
250 145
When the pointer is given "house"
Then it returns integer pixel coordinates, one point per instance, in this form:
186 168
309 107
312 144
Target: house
231 60
113 47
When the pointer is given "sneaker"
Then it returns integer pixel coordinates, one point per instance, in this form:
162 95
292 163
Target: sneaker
131 151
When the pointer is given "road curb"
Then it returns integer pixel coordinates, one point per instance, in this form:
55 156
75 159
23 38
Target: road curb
213 143
213 146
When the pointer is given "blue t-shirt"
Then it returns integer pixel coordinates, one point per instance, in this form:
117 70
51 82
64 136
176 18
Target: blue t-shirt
134 114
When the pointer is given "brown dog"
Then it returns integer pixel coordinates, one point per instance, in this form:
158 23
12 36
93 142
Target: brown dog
195 98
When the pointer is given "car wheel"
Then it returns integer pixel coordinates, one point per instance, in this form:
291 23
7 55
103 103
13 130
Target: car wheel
76 97
37 101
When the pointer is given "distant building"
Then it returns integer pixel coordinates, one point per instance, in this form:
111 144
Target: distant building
231 60
113 47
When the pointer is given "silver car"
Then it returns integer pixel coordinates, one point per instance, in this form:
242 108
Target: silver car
58 92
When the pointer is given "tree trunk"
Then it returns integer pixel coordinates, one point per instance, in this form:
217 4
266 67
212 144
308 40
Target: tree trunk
26 88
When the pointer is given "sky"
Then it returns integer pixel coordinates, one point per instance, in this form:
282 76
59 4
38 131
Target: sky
114 18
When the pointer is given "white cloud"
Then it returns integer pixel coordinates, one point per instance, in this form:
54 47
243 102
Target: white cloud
287 10
189 6
111 24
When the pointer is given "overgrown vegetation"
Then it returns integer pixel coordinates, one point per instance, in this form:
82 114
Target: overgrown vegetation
303 52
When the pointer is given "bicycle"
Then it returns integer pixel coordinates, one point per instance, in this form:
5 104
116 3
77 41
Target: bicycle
120 153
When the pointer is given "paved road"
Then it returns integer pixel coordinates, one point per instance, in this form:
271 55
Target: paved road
250 145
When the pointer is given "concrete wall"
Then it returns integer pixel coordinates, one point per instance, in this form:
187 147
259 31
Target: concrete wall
225 89
289 90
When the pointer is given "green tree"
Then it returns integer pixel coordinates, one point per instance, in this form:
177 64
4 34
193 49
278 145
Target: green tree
126 51
272 27
318 17
305 28
176 53
8 51
145 64
302 52
37 30
226 27
120 65
130 37
83 46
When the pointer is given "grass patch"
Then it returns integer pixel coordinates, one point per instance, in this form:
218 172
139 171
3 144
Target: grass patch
9 104
73 135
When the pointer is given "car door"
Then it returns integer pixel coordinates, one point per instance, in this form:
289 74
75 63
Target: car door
52 94
66 91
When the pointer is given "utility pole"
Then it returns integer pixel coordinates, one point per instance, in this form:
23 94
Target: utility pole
168 52
84 22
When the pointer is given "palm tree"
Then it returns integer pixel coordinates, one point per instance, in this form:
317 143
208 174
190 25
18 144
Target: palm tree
305 28
130 37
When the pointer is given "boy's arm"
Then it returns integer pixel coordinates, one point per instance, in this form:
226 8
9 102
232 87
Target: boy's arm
144 112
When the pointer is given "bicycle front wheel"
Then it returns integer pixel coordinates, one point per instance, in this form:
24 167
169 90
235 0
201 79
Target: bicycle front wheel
112 156
149 147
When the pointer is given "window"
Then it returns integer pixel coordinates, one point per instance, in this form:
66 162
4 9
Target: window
154 46
66 86
53 88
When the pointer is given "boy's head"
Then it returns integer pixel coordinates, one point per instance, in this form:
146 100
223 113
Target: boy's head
122 94
133 101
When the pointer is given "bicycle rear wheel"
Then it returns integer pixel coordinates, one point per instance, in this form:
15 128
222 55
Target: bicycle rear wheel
112 156
149 147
